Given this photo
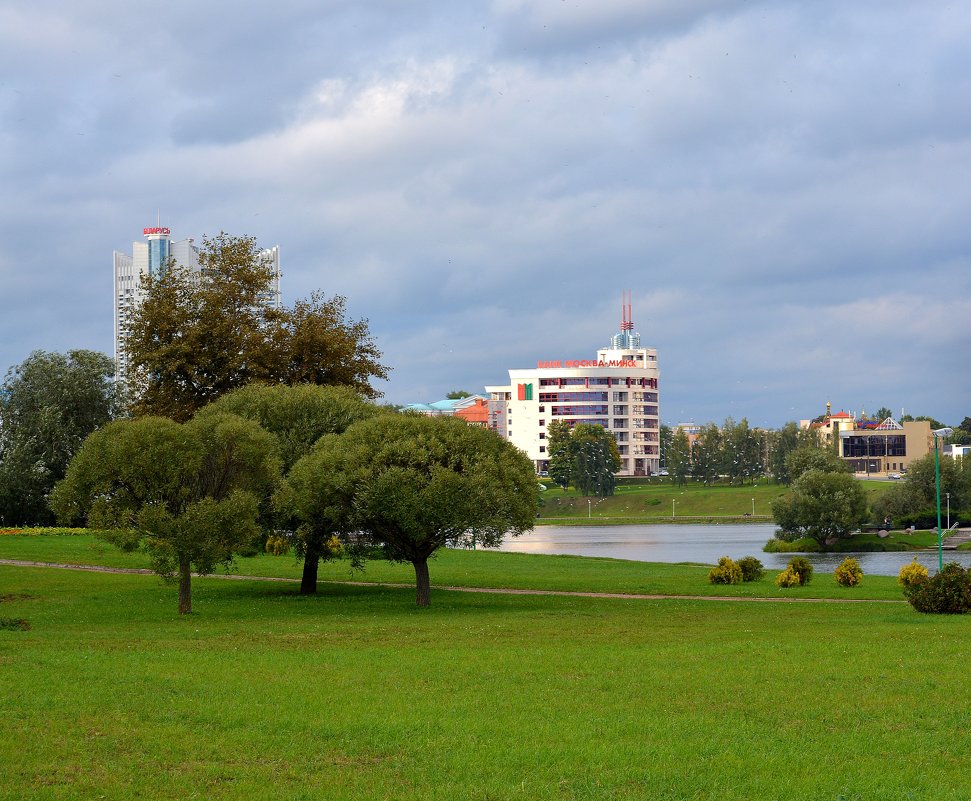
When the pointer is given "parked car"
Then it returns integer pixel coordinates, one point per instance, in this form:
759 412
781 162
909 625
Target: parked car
663 472
544 473
893 476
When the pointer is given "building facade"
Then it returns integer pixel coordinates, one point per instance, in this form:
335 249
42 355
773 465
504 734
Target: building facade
887 447
151 258
618 389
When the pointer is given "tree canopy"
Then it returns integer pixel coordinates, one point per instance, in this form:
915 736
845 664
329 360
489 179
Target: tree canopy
412 484
825 506
298 416
186 493
810 457
48 405
196 336
585 456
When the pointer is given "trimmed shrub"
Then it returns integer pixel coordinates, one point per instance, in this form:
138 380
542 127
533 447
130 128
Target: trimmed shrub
727 572
752 568
947 593
912 574
849 573
276 545
802 566
788 578
805 545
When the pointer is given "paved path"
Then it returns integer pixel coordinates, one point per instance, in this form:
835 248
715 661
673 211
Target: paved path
492 590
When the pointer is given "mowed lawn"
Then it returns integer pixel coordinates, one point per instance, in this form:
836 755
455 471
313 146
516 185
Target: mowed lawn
652 502
482 568
358 694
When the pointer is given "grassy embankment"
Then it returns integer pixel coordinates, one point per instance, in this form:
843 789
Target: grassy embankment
357 694
650 501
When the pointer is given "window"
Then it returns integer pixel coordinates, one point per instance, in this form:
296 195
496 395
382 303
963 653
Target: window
542 408
542 422
542 435
620 410
542 449
620 422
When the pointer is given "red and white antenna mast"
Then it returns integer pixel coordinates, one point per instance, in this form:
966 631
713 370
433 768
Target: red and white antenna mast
627 321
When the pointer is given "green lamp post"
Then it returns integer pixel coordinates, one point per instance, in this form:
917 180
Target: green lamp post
940 432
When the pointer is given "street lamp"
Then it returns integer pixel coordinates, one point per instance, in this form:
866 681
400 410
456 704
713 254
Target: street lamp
948 511
672 507
753 507
941 432
589 508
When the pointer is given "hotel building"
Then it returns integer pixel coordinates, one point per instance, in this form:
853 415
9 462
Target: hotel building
152 257
617 390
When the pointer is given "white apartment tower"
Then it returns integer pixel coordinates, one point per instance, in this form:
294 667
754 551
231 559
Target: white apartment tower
617 390
151 258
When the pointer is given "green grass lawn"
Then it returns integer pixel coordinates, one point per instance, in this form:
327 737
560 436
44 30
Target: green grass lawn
645 502
358 694
475 569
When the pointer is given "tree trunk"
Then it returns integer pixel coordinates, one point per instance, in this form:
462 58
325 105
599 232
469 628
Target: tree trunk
185 588
423 585
311 560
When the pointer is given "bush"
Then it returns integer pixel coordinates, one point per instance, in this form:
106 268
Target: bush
802 566
788 578
752 568
947 593
727 572
912 574
277 545
804 545
849 573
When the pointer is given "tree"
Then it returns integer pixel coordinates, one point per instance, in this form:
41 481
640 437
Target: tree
786 442
560 465
706 454
883 413
298 417
188 494
808 458
585 456
665 435
417 483
196 336
825 506
596 460
679 457
48 404
458 394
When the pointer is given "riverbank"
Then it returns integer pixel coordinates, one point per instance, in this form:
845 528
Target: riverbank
660 501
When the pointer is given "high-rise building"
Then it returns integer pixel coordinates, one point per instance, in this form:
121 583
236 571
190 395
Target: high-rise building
151 258
617 390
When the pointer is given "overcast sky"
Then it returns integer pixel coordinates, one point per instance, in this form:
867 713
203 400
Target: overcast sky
785 187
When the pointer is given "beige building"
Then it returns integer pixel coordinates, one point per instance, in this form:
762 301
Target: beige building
888 447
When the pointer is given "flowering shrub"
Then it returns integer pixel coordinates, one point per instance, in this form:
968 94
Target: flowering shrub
788 578
912 574
947 593
40 531
752 568
276 545
849 573
727 572
802 566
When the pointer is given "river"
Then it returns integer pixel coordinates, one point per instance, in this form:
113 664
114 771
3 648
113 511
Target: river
704 544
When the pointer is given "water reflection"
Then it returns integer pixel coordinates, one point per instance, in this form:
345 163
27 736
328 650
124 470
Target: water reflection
701 543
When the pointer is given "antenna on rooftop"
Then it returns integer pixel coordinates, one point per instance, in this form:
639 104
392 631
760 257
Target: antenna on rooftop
627 321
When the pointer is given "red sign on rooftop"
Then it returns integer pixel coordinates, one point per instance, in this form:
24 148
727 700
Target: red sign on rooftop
148 231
